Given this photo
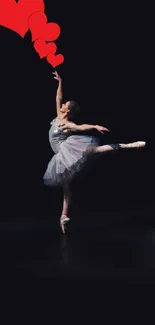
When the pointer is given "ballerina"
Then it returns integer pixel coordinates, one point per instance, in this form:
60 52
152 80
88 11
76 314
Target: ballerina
73 150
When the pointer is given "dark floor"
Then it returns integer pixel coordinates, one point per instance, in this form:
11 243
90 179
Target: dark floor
97 252
99 263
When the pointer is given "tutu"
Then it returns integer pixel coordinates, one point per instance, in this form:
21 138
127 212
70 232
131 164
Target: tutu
72 155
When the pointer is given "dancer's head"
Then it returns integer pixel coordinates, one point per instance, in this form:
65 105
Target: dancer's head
71 108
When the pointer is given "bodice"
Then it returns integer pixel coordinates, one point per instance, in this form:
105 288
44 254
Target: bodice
56 135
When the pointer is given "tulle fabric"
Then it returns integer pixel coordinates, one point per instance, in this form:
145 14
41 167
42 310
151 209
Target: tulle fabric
74 156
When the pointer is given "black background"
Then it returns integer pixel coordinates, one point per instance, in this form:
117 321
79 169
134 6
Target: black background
108 70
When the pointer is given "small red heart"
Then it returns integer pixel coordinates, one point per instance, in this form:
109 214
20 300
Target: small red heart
15 16
43 48
41 29
55 60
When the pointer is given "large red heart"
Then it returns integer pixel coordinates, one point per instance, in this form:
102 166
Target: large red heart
15 16
55 60
41 29
43 48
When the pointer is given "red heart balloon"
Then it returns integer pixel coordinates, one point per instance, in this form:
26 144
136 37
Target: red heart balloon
41 29
24 14
15 16
55 60
43 48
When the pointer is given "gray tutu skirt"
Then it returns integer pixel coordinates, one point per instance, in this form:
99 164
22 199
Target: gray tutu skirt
73 156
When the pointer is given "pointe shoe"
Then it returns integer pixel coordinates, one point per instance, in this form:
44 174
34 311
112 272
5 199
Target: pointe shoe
137 144
63 221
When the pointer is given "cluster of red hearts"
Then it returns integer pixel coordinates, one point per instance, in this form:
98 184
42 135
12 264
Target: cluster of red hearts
27 15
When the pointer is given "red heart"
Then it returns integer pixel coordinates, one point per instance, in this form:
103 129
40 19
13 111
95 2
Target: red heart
24 14
41 29
15 16
43 48
55 60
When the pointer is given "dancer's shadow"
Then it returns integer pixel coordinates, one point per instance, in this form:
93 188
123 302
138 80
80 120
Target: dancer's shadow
65 251
70 250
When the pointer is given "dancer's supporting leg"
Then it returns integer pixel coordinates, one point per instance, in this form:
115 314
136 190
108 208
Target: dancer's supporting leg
117 146
66 202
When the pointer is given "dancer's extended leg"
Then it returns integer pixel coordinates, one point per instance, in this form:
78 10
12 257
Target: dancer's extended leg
66 202
117 146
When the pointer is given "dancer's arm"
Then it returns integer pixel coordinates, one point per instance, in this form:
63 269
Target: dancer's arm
85 127
59 94
69 126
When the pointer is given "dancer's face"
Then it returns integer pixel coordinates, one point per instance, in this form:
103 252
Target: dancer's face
65 107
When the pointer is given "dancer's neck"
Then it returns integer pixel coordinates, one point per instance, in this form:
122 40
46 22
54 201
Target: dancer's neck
64 117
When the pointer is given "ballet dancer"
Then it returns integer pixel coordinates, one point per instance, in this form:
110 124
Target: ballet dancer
73 150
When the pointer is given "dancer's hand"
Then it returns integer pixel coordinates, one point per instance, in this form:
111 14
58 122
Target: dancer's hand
101 129
57 77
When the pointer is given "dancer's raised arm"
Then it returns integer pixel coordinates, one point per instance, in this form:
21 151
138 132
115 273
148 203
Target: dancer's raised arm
59 94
